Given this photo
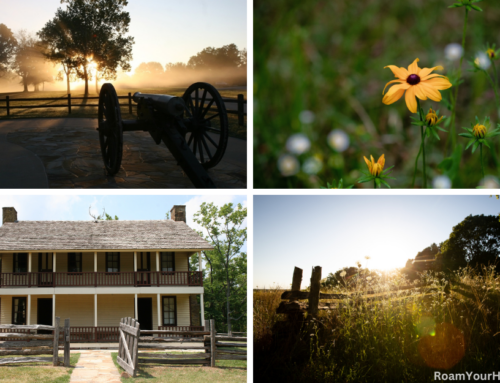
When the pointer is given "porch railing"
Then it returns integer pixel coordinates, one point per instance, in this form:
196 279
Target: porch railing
127 278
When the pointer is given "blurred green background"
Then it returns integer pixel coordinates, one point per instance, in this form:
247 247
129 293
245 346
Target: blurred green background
319 67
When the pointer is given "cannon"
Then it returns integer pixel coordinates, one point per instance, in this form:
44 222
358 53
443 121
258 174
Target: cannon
194 128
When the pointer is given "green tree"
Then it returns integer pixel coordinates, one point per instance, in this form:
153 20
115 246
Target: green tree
8 44
28 60
89 35
225 283
474 241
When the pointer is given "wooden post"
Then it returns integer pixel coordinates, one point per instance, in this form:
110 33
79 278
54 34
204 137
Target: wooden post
314 291
130 102
297 280
66 342
69 103
158 309
207 325
241 110
212 343
28 311
7 101
135 348
55 357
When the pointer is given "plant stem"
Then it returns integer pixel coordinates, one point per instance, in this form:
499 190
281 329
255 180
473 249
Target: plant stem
453 112
497 98
423 142
374 184
481 154
415 169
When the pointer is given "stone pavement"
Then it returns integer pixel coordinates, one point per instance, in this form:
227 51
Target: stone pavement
95 366
70 152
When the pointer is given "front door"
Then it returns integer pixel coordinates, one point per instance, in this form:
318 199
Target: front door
44 313
145 313
45 276
144 265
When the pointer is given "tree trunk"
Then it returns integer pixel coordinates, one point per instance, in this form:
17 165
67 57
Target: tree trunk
67 83
86 77
25 83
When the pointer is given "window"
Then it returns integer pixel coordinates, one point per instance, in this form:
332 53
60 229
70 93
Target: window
20 262
19 311
169 311
167 261
112 262
74 262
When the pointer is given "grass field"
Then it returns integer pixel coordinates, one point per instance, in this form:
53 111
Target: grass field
91 112
226 371
37 372
403 337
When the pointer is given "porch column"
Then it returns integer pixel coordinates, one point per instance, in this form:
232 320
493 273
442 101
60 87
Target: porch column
29 262
158 309
28 311
157 261
136 316
95 310
202 304
95 261
54 264
135 260
53 309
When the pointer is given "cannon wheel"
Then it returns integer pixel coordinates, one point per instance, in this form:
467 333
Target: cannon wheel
110 129
207 112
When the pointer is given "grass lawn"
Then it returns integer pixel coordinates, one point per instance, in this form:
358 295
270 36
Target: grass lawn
91 112
226 371
37 372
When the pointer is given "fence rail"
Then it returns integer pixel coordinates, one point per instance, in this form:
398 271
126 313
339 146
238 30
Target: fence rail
240 101
23 336
291 304
130 278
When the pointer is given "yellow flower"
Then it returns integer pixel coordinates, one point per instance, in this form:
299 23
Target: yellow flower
479 131
432 118
375 168
416 82
491 53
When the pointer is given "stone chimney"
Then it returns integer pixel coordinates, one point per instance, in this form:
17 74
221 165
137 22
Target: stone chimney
9 215
178 213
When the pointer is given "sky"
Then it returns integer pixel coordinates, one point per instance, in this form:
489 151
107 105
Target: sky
126 207
164 30
336 231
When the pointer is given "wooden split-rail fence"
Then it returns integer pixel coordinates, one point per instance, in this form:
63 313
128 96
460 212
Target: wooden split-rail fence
42 344
213 347
291 300
66 102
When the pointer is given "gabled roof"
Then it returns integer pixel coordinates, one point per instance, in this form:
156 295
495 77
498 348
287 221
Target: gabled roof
99 235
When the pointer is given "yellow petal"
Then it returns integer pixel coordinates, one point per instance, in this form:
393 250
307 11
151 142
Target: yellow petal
402 73
411 101
369 164
381 162
427 71
431 91
432 76
391 82
390 99
438 83
395 88
413 68
419 92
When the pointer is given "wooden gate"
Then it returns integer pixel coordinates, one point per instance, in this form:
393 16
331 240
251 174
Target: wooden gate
128 345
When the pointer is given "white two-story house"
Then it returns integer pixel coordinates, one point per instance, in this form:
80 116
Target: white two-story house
97 272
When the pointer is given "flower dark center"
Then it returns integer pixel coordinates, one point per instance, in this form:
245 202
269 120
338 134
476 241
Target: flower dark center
413 79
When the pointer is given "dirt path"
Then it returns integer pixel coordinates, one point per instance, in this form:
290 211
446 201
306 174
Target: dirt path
95 366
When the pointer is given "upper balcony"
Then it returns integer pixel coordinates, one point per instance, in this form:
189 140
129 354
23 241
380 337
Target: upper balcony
97 269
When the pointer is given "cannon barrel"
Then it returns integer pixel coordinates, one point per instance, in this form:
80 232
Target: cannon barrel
171 105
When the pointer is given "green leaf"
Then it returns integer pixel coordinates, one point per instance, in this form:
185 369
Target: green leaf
486 143
468 135
435 134
469 144
385 183
441 129
475 7
474 147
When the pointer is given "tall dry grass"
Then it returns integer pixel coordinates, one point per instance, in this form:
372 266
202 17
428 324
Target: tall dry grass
398 336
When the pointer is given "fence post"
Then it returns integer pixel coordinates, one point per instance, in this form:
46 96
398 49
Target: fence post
241 110
207 325
55 351
314 291
66 342
212 343
69 103
7 100
130 102
296 281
